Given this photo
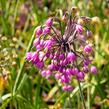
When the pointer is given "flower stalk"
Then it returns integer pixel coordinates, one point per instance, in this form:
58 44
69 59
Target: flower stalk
81 95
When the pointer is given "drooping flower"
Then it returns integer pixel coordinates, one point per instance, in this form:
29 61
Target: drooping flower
89 34
87 49
69 53
79 29
46 73
80 76
71 56
36 42
49 22
29 56
67 88
93 69
46 30
39 31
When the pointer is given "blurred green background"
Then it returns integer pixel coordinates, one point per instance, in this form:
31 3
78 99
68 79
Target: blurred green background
18 19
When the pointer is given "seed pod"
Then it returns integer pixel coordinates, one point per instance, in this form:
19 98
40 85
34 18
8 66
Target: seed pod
65 17
80 21
95 20
89 34
74 10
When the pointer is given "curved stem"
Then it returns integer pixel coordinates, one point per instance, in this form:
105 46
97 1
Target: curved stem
81 94
70 101
15 15
88 93
22 66
88 97
59 21
57 36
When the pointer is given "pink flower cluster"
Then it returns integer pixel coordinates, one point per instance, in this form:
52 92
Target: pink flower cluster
65 56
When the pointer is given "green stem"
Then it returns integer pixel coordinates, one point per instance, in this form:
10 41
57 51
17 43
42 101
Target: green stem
22 66
70 101
78 98
81 94
88 97
88 92
15 15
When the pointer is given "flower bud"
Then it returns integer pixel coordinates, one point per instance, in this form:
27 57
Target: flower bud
80 76
47 54
85 69
74 71
43 73
46 30
71 56
65 79
51 66
36 42
48 73
49 22
35 57
39 64
87 49
57 76
48 44
79 29
87 62
61 56
67 88
93 70
39 31
65 17
29 56
68 71
89 34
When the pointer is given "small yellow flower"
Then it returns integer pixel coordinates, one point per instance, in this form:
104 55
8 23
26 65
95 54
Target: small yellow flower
2 83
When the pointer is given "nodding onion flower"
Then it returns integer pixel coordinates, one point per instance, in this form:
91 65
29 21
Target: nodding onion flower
69 52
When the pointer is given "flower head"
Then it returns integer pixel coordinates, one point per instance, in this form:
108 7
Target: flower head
68 53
